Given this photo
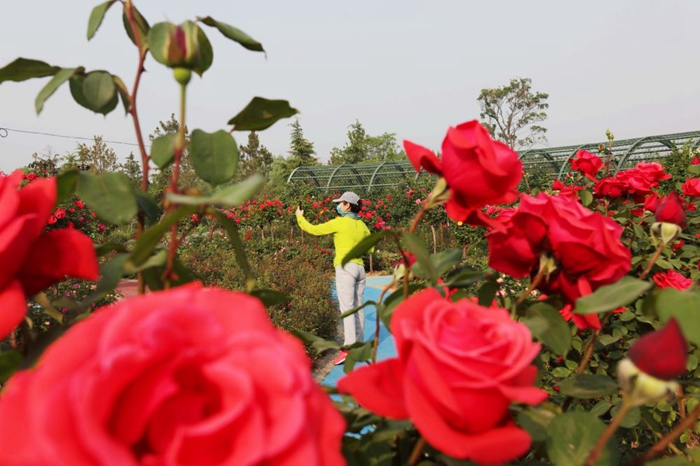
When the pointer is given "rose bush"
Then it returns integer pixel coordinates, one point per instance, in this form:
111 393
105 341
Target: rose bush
188 376
458 369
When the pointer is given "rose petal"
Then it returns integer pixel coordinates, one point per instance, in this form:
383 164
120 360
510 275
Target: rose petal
378 388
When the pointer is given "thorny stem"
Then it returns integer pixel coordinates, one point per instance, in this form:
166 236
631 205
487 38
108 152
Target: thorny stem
654 451
653 260
417 451
608 433
129 10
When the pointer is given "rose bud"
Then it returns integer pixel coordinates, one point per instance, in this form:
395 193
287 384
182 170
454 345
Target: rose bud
181 47
651 203
670 210
651 364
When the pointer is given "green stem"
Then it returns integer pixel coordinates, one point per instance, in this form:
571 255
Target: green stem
375 344
533 284
416 220
608 433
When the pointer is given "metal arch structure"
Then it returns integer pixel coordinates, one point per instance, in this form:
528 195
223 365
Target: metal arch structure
365 177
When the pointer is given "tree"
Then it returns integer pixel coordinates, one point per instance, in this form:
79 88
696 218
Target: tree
355 150
511 113
132 169
384 148
301 149
254 158
98 158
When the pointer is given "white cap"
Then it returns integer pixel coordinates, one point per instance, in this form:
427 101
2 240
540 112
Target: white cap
348 196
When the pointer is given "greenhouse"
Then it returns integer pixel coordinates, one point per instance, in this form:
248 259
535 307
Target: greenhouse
553 161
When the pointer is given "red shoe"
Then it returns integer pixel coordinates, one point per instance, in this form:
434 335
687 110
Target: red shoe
340 358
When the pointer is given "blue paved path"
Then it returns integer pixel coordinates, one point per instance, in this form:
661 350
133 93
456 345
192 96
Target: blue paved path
386 347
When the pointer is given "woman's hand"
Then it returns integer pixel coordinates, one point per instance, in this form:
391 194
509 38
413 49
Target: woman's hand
299 212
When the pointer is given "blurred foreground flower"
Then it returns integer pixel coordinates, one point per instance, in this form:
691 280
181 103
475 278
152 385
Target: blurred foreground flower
190 376
458 369
32 260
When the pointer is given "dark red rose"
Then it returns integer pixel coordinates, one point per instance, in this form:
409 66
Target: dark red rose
661 353
672 279
477 169
670 210
586 163
584 246
458 368
691 187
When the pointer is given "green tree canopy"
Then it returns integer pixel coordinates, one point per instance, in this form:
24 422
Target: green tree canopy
512 112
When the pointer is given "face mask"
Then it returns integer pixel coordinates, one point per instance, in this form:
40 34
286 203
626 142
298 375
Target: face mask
339 210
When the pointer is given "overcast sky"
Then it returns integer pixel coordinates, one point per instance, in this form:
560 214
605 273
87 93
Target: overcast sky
406 66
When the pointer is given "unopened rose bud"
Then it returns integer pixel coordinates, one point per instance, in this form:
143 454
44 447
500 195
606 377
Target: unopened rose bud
640 388
670 210
178 46
665 232
439 195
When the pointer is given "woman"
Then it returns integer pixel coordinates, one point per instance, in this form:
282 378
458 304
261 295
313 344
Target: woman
347 231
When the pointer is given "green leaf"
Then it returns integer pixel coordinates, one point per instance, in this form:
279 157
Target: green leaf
47 91
572 435
632 417
443 262
100 92
232 232
684 306
463 276
354 310
365 245
214 156
233 195
111 272
22 69
586 197
588 386
66 183
694 169
150 238
487 293
91 91
154 276
123 92
110 195
96 17
261 113
206 53
10 362
142 28
163 150
610 297
270 298
317 343
417 246
561 372
148 205
549 327
535 420
234 34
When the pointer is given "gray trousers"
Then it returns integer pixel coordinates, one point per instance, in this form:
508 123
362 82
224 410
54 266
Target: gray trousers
350 287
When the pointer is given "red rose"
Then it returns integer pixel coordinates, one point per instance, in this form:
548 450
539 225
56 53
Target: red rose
458 369
651 203
672 279
691 187
557 185
609 187
695 161
661 353
190 376
586 163
670 210
33 260
60 213
584 246
477 169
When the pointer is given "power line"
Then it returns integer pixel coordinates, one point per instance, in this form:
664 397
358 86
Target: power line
4 133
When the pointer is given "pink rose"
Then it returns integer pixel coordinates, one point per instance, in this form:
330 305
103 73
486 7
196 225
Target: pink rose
190 376
459 367
32 260
477 169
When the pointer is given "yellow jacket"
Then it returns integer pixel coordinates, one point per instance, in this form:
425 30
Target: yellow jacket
346 231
